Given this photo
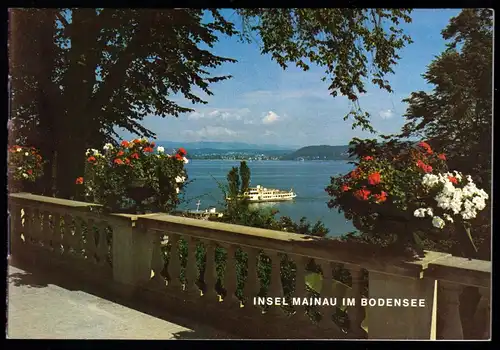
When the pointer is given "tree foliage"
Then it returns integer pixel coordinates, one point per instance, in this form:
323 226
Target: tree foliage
456 116
337 39
109 68
245 177
99 69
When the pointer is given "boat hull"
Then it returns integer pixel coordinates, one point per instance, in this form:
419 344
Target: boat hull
271 200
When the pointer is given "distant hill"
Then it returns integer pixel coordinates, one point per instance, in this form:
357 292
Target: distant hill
322 152
270 152
227 146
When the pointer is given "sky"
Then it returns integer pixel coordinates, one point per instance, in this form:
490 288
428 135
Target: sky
264 104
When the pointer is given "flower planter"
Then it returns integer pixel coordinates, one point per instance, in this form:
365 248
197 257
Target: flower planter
21 186
139 190
464 237
133 178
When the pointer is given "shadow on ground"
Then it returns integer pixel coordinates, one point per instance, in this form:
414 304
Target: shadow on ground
30 280
35 277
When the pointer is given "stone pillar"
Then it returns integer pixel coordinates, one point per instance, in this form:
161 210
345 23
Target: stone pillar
451 327
400 322
132 254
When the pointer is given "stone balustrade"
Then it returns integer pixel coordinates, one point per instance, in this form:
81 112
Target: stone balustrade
214 272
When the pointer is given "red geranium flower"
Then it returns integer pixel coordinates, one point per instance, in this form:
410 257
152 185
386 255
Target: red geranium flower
127 161
380 198
426 168
118 161
148 149
125 143
181 151
91 159
178 156
368 158
120 153
374 178
426 146
345 188
79 180
442 156
135 156
137 141
29 171
355 173
362 194
453 179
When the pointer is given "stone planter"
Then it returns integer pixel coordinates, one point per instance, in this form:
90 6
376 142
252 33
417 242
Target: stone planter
464 237
21 186
404 226
139 190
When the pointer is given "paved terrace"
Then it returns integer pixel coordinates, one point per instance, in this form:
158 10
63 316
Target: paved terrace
49 306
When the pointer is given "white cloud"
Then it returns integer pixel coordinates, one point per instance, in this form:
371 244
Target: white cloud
210 131
270 118
386 114
219 114
195 116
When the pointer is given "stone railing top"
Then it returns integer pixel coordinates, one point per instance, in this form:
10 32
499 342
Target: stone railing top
370 257
51 200
461 271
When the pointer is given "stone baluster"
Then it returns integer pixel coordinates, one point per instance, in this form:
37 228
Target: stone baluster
275 287
326 322
210 277
157 261
27 220
90 248
47 235
56 234
483 314
174 264
16 228
300 287
252 283
231 279
192 269
68 240
78 238
450 312
103 247
36 231
356 313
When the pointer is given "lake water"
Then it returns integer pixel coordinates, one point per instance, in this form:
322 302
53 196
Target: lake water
308 180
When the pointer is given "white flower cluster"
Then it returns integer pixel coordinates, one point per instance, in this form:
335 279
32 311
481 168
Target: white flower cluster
108 147
465 201
93 152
